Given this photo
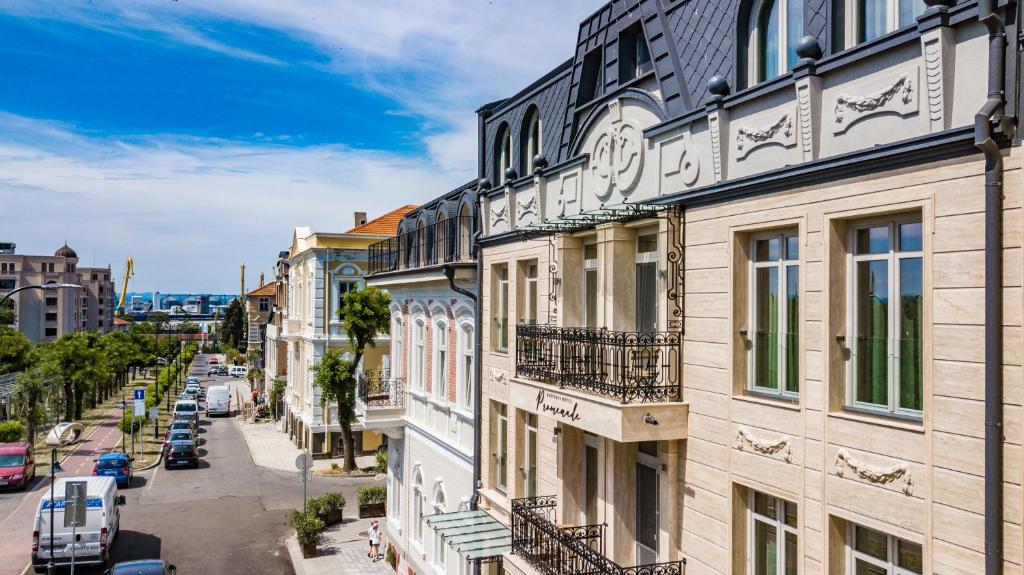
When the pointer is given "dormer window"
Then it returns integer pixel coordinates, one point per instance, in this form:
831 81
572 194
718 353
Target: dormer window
533 138
775 30
634 56
874 18
591 77
503 153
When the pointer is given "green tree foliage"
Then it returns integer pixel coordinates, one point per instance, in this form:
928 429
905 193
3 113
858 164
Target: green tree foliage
14 350
365 314
188 327
11 431
232 330
30 391
7 315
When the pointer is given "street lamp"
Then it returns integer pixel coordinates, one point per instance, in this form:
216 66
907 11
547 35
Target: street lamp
44 287
54 469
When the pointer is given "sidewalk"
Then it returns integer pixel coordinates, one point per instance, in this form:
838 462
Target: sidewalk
272 449
342 552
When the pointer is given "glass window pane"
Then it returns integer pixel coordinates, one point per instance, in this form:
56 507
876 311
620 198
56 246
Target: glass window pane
865 568
871 542
873 240
590 252
766 327
792 560
647 243
767 250
909 11
647 506
909 556
872 337
911 344
646 297
764 505
872 18
590 295
765 549
769 40
910 237
792 248
792 328
794 30
790 517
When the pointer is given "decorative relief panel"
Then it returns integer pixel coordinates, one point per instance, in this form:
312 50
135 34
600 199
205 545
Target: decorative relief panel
937 47
781 133
527 208
716 120
498 216
617 157
568 193
899 97
877 475
781 445
680 159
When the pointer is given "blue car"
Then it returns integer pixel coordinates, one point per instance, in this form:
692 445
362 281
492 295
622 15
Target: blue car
116 465
146 567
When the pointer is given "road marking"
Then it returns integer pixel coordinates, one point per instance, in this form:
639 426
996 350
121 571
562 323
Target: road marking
152 480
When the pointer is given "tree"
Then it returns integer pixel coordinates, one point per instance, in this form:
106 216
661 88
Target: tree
14 350
365 314
233 326
7 315
30 389
78 362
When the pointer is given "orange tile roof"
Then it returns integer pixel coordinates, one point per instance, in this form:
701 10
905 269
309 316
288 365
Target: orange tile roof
386 225
266 289
119 321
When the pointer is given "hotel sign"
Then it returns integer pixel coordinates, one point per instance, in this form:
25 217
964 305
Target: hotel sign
558 406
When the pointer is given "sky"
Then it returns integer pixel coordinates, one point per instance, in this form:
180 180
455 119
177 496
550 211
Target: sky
193 135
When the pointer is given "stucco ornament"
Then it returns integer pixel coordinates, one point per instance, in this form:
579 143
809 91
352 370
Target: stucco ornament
768 447
874 474
527 206
781 132
499 215
900 97
497 376
688 165
616 160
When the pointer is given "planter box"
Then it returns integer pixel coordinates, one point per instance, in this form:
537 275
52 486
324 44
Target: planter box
308 549
372 510
333 517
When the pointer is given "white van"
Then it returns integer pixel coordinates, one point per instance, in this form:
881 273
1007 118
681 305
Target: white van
218 400
93 540
187 407
237 371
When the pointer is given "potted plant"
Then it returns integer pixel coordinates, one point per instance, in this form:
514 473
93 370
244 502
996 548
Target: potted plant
391 556
332 507
371 501
308 530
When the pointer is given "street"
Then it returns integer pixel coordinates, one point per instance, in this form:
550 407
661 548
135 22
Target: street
227 516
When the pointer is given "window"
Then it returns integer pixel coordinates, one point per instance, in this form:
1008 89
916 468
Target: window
591 78
590 281
396 347
502 154
8 284
417 508
101 324
529 468
51 316
885 317
48 267
101 290
50 332
440 384
772 535
264 304
871 552
418 366
501 453
500 337
775 314
95 277
395 488
775 30
647 283
530 304
873 18
634 56
533 137
343 288
101 300
51 301
7 268
466 367
439 547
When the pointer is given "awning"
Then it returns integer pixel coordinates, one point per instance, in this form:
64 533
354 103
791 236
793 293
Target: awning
473 534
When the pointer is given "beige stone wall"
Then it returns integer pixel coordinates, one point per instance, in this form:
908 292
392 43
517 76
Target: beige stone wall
938 500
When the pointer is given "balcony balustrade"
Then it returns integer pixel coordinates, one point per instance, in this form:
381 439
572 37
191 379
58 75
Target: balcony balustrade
379 389
555 550
627 366
445 241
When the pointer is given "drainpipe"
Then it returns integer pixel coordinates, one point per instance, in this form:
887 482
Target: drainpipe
989 114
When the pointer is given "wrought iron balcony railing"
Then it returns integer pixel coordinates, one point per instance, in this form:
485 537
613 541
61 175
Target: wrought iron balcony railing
627 366
445 241
379 389
555 550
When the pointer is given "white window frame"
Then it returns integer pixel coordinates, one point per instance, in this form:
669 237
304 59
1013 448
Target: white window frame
754 41
440 549
781 528
416 533
593 265
418 353
853 33
397 353
531 459
501 278
535 139
783 264
648 258
532 307
501 463
891 564
440 360
466 365
893 257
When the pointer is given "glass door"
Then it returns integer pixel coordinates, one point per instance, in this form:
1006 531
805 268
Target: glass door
590 479
647 503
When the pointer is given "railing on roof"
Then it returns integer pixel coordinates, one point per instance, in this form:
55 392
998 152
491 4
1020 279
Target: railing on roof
445 241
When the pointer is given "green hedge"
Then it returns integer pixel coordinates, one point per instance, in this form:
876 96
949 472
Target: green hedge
11 431
372 495
128 422
308 527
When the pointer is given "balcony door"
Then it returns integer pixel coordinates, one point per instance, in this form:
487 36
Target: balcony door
647 283
590 479
590 281
647 503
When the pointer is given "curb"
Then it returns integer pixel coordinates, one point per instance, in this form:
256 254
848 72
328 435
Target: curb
152 465
295 555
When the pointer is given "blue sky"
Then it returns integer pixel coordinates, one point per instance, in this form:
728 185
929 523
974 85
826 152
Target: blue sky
195 135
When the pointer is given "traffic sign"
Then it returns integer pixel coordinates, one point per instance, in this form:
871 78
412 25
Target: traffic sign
140 393
154 412
74 504
304 462
140 401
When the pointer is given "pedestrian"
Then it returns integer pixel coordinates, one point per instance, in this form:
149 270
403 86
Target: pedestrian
374 535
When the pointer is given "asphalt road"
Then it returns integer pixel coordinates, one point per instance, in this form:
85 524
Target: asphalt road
228 516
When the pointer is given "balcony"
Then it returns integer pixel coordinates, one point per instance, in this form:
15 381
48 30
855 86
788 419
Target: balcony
620 385
555 550
380 399
444 242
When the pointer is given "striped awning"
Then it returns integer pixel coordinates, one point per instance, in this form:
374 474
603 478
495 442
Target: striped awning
472 534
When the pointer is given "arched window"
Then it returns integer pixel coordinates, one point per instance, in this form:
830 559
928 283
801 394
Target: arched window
396 347
442 239
465 366
439 546
465 231
873 18
417 507
775 30
421 243
533 136
502 154
441 360
417 350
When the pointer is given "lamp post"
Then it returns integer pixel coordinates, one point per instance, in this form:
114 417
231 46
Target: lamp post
54 469
44 287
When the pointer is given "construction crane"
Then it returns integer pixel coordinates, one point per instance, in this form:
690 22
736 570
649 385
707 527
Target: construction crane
129 271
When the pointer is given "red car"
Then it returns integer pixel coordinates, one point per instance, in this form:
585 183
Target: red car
213 361
17 468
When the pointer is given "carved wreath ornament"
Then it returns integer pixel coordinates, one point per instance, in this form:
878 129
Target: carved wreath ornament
760 136
871 474
767 447
902 90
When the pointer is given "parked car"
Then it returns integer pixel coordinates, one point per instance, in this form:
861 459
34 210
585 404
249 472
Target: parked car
214 361
92 541
144 567
238 371
192 419
194 388
191 379
222 370
214 370
179 435
185 406
116 465
181 454
218 400
17 468
180 425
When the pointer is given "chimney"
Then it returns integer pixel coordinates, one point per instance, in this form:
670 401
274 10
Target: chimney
359 217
